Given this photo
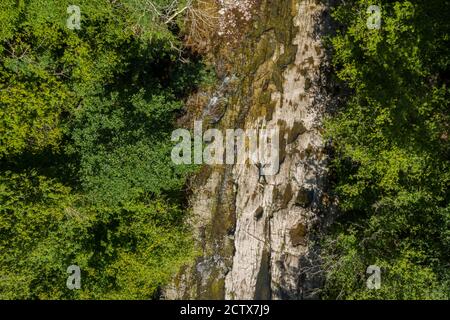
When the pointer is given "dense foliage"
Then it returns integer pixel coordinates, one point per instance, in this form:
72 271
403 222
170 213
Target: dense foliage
85 171
392 151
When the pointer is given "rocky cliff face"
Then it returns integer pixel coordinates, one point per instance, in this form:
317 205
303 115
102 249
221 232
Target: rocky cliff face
254 231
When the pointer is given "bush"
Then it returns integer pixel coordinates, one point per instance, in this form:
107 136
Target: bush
391 151
85 175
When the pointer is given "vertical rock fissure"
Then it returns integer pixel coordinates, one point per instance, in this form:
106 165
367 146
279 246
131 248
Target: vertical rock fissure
263 288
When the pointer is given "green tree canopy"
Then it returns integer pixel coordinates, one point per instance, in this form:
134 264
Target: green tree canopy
85 172
392 152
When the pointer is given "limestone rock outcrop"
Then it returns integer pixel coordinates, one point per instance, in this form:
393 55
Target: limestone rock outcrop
253 230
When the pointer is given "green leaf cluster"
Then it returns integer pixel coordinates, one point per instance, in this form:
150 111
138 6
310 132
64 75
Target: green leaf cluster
85 171
391 163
